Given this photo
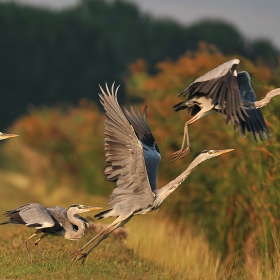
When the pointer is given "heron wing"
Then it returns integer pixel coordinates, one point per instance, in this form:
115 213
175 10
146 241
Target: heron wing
32 215
220 84
124 152
60 216
253 121
151 151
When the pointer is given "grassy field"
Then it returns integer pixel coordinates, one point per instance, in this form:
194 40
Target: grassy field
151 250
156 248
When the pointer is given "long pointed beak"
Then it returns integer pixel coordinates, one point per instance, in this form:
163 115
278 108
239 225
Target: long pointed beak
91 208
7 135
220 152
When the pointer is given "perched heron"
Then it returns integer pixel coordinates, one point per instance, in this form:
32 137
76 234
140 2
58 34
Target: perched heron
51 221
7 135
228 92
133 158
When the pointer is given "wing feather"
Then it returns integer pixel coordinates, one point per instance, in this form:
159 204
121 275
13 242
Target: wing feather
220 84
151 151
254 121
32 215
124 152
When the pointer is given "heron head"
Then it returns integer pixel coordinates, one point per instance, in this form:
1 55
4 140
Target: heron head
214 153
80 208
6 135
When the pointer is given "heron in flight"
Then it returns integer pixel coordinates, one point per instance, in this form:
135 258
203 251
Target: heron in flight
228 92
133 158
7 135
50 221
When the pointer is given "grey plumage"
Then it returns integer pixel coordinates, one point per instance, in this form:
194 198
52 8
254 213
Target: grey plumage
131 150
228 92
50 221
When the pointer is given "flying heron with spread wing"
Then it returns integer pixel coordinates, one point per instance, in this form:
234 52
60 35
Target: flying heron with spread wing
228 92
55 220
133 158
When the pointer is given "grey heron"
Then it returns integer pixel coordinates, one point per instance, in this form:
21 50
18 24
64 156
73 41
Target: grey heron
133 158
7 135
228 92
55 220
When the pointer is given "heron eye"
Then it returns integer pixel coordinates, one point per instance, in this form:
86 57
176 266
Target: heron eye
211 152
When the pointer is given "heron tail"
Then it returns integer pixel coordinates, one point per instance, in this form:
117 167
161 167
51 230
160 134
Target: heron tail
102 214
180 106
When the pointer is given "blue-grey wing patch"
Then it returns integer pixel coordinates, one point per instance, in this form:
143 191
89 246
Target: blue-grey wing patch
253 121
150 148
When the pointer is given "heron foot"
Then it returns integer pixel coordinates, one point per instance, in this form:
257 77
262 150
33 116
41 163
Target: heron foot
75 255
180 154
79 257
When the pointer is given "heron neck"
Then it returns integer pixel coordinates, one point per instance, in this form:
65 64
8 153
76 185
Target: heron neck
71 233
165 191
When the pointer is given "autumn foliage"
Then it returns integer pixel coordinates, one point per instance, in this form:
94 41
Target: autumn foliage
234 198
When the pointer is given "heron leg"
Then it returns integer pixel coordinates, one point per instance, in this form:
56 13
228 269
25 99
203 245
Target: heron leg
182 153
75 254
25 244
37 243
116 224
205 111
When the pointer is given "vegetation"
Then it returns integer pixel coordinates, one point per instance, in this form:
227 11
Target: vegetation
156 248
50 57
234 199
222 223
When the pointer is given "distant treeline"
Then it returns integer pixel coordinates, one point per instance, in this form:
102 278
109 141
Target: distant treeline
49 57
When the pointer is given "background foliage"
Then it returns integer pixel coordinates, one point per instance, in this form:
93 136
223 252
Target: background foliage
235 198
59 58
50 57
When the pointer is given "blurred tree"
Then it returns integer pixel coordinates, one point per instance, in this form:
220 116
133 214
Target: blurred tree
234 198
50 57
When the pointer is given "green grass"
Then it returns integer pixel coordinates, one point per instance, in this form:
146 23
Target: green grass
156 248
111 260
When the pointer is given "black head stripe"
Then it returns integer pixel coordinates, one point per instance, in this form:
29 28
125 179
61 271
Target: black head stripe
75 205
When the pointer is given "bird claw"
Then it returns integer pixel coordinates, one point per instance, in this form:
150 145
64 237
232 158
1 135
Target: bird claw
81 257
180 154
76 253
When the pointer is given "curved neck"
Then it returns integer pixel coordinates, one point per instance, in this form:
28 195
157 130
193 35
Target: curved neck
165 191
71 233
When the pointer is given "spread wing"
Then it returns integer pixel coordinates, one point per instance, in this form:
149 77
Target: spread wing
254 121
32 215
151 151
220 84
124 152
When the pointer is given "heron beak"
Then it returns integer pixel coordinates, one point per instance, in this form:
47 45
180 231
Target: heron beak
91 208
220 152
6 136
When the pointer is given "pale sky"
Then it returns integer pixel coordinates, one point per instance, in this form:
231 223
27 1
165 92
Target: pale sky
253 18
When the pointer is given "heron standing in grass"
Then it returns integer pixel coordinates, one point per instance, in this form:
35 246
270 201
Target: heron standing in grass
51 221
228 92
133 158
